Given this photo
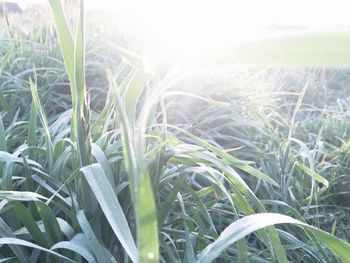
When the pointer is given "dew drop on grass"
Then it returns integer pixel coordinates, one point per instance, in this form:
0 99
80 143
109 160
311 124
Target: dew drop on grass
150 255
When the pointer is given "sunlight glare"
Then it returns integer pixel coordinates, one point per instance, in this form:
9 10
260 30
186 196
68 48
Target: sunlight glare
191 28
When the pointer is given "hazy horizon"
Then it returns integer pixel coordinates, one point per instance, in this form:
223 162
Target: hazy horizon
327 13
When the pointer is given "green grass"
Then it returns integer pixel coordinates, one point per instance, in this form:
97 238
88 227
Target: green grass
102 161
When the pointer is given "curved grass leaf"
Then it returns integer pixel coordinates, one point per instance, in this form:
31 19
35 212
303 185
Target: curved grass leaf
78 244
52 228
20 196
100 252
28 221
228 158
20 242
20 253
10 158
252 223
313 174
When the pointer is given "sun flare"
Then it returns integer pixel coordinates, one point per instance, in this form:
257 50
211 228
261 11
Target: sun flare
189 26
196 28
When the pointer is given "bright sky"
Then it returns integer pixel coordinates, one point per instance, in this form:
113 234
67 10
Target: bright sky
305 12
191 26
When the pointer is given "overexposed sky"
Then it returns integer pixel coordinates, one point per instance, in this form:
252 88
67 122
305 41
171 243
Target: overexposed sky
293 12
195 26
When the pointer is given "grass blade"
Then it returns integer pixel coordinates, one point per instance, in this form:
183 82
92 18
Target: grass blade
252 223
44 123
20 242
109 203
141 187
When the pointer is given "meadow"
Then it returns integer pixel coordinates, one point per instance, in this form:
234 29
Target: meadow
103 159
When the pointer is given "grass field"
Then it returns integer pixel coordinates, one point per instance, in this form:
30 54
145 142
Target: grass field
104 160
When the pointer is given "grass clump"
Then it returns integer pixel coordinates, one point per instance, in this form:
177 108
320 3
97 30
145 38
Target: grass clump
248 178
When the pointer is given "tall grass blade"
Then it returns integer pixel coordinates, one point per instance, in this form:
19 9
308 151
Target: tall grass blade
109 203
141 187
43 120
82 111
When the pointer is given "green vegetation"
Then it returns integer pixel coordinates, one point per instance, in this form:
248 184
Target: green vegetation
101 161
